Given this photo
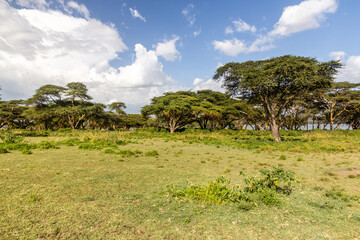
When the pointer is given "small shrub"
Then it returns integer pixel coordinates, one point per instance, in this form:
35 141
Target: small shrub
3 150
109 151
26 151
34 198
47 145
151 153
126 153
8 137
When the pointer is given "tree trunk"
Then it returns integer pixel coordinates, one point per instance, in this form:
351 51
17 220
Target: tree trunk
275 130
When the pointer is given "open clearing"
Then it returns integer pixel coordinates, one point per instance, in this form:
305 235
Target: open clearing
79 193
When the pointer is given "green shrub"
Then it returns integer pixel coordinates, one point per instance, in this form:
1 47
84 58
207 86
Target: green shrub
126 153
265 190
151 153
8 137
3 150
47 145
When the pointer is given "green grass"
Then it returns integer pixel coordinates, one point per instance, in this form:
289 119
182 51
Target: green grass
117 190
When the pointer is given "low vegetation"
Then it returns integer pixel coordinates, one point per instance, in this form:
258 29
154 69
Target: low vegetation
148 184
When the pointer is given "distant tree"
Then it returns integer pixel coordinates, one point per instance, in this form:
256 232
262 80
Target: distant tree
276 84
76 90
173 110
335 102
76 106
44 103
11 114
117 107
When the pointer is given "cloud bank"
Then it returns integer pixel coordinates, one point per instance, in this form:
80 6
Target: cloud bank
40 45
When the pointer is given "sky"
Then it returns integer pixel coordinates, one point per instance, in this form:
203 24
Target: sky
133 50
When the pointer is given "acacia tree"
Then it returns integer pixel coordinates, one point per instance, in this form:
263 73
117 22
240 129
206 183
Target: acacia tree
11 114
335 102
44 104
276 84
174 110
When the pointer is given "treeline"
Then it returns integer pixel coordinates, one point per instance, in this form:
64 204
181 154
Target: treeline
55 107
286 92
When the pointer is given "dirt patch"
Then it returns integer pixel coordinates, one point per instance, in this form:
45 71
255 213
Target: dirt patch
349 172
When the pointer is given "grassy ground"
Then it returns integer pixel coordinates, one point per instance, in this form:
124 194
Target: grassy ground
72 193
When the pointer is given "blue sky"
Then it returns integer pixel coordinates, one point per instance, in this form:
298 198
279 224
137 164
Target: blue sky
134 50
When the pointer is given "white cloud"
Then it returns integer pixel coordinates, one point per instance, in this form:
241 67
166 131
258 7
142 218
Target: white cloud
197 81
136 14
230 47
39 4
307 15
197 33
167 49
351 70
340 55
189 14
79 8
201 84
240 26
39 47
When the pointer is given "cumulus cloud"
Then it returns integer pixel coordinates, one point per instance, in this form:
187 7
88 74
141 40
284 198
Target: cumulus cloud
39 47
136 14
231 47
201 84
340 55
239 26
351 70
309 14
189 14
167 49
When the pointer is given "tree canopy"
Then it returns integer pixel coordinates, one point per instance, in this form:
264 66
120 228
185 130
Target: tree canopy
276 84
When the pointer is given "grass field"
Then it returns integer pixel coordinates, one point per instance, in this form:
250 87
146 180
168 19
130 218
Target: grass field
112 185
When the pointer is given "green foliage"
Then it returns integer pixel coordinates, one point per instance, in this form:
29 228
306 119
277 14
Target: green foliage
151 153
3 150
256 190
9 137
277 84
278 179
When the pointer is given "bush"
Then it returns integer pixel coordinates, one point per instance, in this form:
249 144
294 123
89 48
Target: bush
3 150
8 137
265 190
151 153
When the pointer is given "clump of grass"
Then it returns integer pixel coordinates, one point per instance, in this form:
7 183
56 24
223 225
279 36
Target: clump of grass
47 145
3 150
9 137
282 157
26 151
339 195
151 153
265 190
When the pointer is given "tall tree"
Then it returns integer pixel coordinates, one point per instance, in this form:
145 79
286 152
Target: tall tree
276 84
